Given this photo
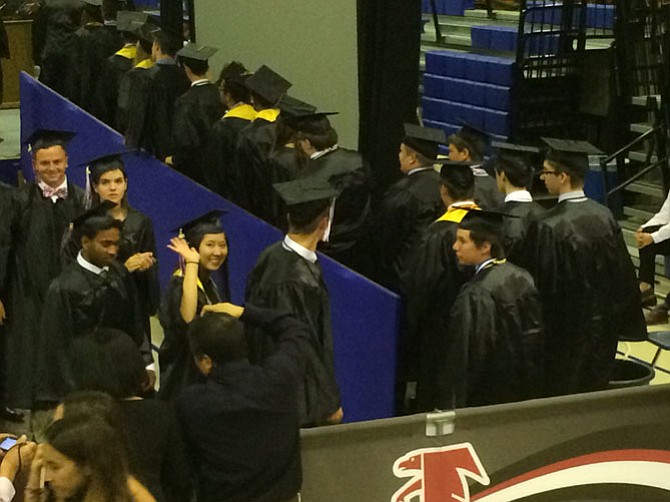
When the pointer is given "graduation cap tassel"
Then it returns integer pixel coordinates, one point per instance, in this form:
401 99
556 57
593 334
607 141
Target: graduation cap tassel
182 262
88 196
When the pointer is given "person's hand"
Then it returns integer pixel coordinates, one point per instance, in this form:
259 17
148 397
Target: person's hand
17 458
643 239
150 382
181 247
35 485
3 314
224 308
3 436
336 418
140 262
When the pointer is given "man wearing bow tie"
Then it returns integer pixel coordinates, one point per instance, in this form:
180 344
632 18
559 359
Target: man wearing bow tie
38 217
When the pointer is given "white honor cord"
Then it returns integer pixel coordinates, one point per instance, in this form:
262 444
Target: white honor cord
331 213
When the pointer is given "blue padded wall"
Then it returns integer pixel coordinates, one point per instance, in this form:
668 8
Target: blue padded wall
365 315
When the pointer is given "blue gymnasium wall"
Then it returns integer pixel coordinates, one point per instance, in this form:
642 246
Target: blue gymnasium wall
365 316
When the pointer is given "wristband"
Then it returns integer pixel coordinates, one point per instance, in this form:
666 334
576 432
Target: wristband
188 262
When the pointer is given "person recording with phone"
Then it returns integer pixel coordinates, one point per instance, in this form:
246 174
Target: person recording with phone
16 454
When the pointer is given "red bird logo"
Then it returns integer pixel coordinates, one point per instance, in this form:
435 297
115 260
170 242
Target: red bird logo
439 474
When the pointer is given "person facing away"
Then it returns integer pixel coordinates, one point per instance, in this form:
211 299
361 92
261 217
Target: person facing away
288 276
92 292
222 140
409 205
514 176
35 224
430 282
468 144
495 351
242 423
585 276
203 250
151 112
250 182
195 112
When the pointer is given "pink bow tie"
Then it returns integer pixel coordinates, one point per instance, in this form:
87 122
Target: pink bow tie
50 192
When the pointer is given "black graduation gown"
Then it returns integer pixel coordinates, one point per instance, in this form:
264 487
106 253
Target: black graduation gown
431 281
195 112
283 166
151 109
251 185
515 229
347 171
78 302
408 207
219 168
487 195
97 43
107 92
589 293
177 368
32 258
133 94
284 280
495 349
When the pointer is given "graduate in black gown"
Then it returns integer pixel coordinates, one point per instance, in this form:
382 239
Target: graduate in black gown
151 107
468 144
316 142
97 41
39 214
514 176
222 140
95 291
585 277
431 281
195 112
287 276
495 350
203 250
409 205
251 186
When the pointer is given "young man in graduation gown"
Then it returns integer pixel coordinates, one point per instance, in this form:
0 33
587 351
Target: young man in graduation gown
288 277
96 291
514 176
151 107
195 112
468 144
409 205
222 140
430 283
495 350
250 183
585 276
37 219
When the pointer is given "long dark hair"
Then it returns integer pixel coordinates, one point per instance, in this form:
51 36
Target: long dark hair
94 444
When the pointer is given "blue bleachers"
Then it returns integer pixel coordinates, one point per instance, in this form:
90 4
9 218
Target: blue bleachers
449 7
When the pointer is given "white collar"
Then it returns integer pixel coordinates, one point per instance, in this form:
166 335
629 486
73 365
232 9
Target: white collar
519 196
483 264
478 171
202 81
292 245
462 203
418 170
577 194
62 186
89 266
316 155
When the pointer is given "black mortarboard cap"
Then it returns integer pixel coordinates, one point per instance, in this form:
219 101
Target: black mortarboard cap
458 174
95 3
487 221
96 211
196 228
125 19
512 149
144 30
316 123
424 140
106 163
474 137
572 154
45 138
233 69
572 146
303 190
197 52
293 107
516 162
268 84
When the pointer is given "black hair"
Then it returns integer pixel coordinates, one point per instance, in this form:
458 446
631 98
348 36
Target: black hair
110 9
219 336
91 14
481 233
93 405
108 360
237 89
518 172
168 43
284 133
575 165
98 223
260 102
461 188
321 140
196 66
145 45
48 142
422 159
476 151
304 218
129 38
100 168
94 445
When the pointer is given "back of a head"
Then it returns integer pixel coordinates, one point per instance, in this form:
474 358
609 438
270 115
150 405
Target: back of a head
95 448
475 143
219 336
93 405
99 223
197 67
304 218
168 43
516 169
318 131
458 179
574 164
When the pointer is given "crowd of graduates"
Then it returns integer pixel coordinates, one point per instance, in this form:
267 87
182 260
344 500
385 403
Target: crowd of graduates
504 300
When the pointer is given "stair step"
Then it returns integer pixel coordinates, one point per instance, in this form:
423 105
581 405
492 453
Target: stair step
641 128
642 100
637 213
646 189
501 16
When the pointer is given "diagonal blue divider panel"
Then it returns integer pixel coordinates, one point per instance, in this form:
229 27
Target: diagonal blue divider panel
365 316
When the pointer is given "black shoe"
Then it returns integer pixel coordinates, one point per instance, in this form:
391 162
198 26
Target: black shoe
657 315
10 414
648 297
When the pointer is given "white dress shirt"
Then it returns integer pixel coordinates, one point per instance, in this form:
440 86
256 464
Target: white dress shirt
62 186
7 491
575 196
519 196
292 245
662 219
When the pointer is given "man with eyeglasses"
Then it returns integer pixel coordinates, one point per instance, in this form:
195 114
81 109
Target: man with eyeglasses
584 274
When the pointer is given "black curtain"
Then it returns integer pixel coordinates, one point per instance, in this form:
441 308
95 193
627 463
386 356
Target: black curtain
389 38
172 16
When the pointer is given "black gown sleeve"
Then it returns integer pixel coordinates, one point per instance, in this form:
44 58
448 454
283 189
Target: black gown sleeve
133 107
175 470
